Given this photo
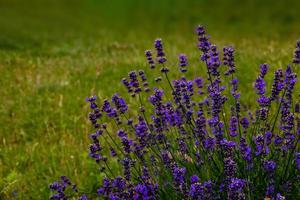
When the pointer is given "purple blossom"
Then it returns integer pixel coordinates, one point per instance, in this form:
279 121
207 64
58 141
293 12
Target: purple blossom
230 167
245 123
201 191
60 188
263 70
278 84
296 58
245 151
209 143
149 57
233 132
126 162
120 103
234 91
213 62
194 179
236 189
203 42
260 86
180 132
261 149
134 83
297 160
269 165
199 83
228 60
183 62
83 197
179 179
160 53
263 101
278 140
145 191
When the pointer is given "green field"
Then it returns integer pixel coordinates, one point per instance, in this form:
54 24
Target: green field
54 53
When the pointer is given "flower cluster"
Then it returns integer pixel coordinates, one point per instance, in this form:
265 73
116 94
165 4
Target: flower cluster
191 138
61 187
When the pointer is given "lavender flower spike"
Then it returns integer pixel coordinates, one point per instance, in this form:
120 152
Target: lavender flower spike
296 59
228 60
183 62
149 57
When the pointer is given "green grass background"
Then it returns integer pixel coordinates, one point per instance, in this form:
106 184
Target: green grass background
54 53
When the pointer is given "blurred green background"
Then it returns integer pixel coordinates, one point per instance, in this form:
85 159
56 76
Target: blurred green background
54 53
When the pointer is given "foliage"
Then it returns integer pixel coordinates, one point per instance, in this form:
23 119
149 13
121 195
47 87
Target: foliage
195 140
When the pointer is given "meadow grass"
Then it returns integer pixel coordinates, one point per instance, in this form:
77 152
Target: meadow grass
55 53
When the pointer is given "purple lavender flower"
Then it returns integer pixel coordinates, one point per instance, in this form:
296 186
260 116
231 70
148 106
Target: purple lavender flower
245 123
269 166
95 113
199 191
213 62
183 91
296 59
278 140
230 167
209 143
92 100
263 101
297 160
160 53
127 85
204 44
217 98
166 159
233 132
228 60
173 117
183 62
83 197
144 80
185 134
278 84
261 149
246 151
236 189
290 81
60 187
199 83
109 110
149 57
119 103
160 57
145 191
178 175
234 91
260 86
268 137
263 70
179 179
126 162
182 146
194 179
270 189
134 83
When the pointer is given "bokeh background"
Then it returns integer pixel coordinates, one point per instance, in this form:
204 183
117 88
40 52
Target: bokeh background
54 53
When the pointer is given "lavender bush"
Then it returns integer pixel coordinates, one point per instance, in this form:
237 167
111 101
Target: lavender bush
194 140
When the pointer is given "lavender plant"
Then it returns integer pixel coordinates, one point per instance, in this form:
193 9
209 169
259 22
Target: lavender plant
194 140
